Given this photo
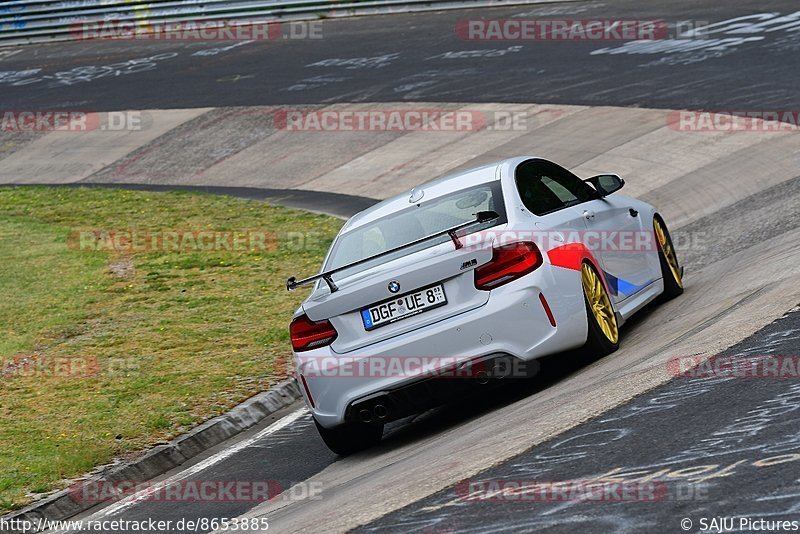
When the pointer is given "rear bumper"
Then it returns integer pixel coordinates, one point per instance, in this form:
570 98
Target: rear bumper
429 392
512 323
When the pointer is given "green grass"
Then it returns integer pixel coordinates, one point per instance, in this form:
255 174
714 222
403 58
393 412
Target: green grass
169 339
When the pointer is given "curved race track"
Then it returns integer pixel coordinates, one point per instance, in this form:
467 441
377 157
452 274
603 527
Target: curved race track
732 201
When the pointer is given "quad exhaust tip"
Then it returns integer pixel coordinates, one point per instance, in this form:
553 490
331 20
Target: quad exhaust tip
380 411
482 377
498 371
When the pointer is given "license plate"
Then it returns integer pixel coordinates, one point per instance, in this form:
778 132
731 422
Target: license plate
403 307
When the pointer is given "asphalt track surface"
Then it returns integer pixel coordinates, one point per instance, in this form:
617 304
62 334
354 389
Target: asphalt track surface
738 436
719 445
419 57
749 268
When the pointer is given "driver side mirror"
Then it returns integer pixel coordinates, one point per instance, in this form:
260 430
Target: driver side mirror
605 184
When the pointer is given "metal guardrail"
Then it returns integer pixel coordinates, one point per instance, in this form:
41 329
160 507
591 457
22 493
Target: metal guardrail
30 21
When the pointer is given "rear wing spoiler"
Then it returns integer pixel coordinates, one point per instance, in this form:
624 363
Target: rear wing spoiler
480 218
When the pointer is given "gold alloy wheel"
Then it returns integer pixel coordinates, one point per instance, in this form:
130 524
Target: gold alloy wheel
599 303
669 253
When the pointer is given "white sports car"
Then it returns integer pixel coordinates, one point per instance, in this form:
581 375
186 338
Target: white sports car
465 279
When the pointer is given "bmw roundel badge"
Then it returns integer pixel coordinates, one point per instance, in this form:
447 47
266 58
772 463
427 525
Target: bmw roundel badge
394 286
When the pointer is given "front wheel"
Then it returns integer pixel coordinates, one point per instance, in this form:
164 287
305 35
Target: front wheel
350 438
671 272
603 334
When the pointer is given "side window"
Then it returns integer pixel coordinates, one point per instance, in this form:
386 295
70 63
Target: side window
564 195
545 187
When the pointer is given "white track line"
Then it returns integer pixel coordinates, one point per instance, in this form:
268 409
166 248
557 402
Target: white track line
131 500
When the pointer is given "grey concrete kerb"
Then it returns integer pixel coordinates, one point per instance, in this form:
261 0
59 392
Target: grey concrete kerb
162 458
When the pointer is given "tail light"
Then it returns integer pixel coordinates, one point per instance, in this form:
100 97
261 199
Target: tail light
509 262
307 334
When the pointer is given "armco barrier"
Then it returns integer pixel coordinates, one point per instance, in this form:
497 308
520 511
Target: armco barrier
30 21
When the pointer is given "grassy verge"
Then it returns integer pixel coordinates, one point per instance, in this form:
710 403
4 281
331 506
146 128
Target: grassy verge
104 353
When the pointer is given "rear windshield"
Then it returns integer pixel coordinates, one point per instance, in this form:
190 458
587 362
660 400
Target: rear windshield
415 222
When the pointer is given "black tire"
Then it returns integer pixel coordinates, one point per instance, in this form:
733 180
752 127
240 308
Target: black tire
350 438
671 287
597 343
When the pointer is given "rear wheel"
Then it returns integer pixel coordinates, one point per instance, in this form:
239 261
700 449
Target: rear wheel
603 335
670 270
349 438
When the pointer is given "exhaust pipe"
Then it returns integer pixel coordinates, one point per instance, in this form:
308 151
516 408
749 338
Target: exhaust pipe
482 377
365 416
381 412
